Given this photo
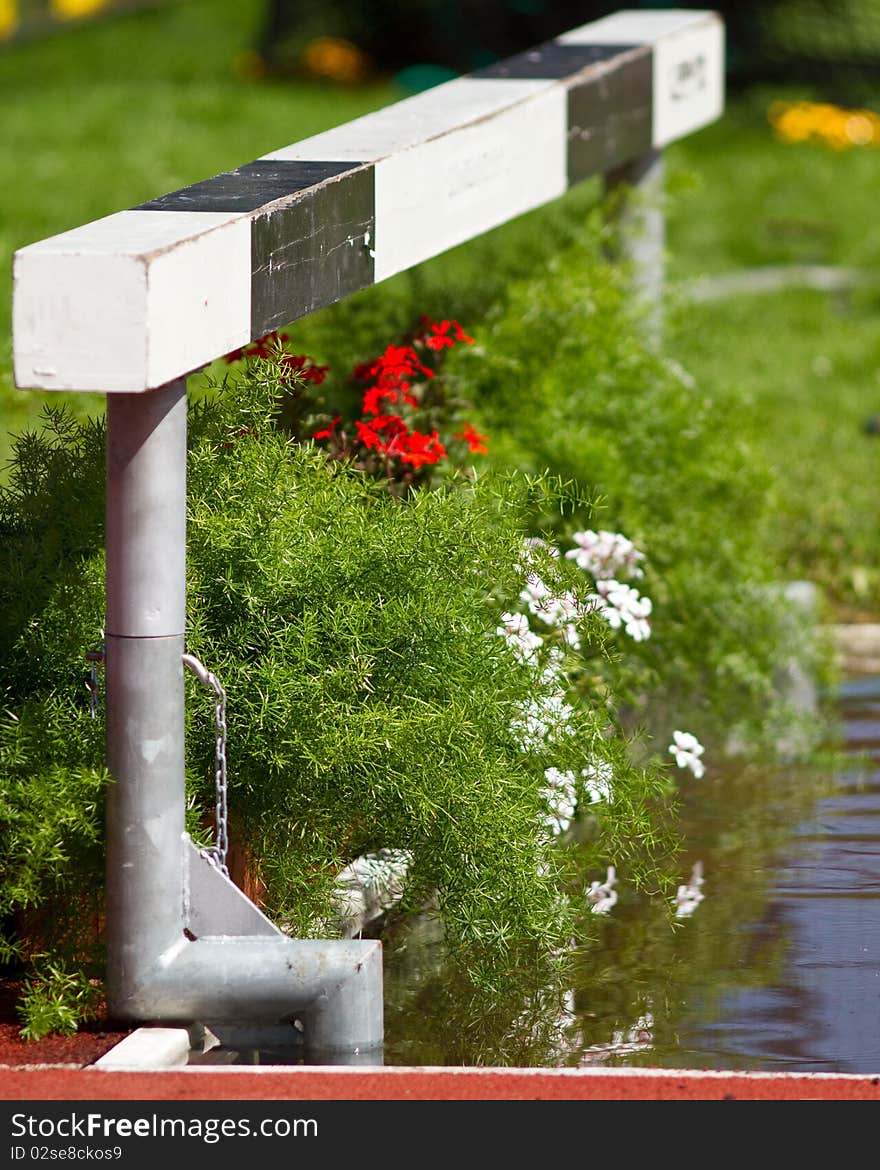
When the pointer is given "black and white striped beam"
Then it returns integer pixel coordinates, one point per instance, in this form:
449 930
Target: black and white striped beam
129 302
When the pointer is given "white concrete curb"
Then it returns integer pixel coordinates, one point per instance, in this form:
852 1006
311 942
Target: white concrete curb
147 1048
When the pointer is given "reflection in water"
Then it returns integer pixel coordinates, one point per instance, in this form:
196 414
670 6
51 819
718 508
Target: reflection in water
688 897
821 1011
601 896
769 960
768 957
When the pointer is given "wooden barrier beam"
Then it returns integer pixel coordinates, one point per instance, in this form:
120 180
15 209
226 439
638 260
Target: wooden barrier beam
139 298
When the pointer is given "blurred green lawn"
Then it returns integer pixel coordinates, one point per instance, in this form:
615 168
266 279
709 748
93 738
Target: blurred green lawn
804 365
105 116
102 117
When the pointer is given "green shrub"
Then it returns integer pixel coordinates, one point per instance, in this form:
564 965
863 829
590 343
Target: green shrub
51 750
372 703
563 378
57 1000
354 614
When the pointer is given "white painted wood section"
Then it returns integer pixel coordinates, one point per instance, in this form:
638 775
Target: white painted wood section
447 190
199 300
413 121
148 295
688 81
131 301
636 26
688 72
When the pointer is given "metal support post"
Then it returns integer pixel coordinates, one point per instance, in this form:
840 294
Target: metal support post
642 231
146 613
183 943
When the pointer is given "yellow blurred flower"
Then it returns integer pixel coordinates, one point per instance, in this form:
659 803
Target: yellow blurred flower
835 127
336 58
8 18
76 9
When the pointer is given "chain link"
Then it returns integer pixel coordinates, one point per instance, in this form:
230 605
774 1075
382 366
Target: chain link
216 853
94 657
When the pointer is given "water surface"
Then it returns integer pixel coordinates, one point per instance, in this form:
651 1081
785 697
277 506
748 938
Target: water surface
777 968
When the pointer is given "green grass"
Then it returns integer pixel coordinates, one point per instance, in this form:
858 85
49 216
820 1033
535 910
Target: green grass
804 369
803 366
745 199
105 116
100 118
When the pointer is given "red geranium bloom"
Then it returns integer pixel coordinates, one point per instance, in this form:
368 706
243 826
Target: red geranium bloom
381 432
395 364
329 432
439 335
417 449
305 366
369 438
393 424
364 370
374 397
474 439
262 347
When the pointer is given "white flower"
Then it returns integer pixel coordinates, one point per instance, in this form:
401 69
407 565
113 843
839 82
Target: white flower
561 799
556 609
553 673
687 750
605 554
621 605
536 595
688 897
518 635
597 781
602 895
533 545
570 636
381 869
543 720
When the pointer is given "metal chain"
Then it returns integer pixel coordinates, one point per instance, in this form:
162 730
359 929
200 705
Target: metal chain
94 657
216 853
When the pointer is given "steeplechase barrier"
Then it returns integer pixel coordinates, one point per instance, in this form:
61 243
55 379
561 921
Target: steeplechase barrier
130 304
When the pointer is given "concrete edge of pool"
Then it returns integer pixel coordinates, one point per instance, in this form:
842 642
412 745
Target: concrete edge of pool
150 1064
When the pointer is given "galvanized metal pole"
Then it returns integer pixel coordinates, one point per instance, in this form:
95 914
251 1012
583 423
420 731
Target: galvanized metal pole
146 611
239 967
642 231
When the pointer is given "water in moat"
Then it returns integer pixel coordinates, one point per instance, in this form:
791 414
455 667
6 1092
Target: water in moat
776 969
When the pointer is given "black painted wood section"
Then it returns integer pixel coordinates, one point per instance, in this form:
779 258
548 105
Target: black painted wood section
313 251
249 187
610 117
551 61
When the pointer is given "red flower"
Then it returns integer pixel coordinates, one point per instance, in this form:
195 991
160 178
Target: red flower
417 449
377 395
372 401
369 438
262 347
302 364
364 371
370 433
390 435
392 423
474 439
330 431
395 364
443 334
